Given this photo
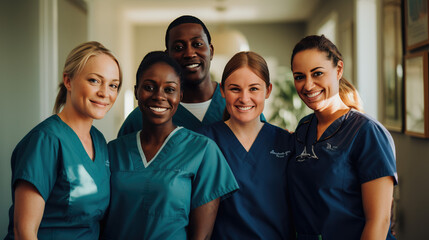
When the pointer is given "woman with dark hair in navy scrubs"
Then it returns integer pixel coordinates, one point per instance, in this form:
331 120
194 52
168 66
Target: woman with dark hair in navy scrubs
342 178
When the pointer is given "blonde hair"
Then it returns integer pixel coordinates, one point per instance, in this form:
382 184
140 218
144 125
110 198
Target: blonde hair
75 62
348 93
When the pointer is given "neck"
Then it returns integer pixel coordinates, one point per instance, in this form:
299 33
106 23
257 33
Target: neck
152 134
199 92
247 132
80 125
327 115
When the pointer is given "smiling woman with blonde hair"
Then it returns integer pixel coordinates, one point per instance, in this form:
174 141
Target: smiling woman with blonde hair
60 169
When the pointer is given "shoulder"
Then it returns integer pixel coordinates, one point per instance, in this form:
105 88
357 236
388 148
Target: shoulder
366 123
209 130
52 127
123 140
198 141
276 135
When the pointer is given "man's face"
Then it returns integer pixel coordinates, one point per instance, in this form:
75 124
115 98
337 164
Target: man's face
189 46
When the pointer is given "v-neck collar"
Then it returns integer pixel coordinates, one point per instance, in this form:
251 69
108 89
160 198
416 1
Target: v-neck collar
77 142
139 146
238 143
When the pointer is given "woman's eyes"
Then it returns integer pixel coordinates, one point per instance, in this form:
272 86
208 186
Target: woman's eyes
170 90
114 86
252 89
298 77
148 88
316 74
93 80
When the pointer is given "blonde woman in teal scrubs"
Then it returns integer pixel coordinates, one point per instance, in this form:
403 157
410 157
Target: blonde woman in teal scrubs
60 169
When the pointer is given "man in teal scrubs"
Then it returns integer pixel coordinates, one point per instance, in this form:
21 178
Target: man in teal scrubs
188 41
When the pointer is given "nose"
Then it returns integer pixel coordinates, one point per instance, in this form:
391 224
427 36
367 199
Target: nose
102 91
309 84
159 95
244 96
189 51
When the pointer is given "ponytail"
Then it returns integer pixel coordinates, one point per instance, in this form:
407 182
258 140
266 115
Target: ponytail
61 98
349 95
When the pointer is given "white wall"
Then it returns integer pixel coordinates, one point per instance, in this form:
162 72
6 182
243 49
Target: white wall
30 70
19 94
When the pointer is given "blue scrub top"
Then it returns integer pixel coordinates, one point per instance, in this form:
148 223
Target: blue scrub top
76 189
153 201
325 185
259 209
182 117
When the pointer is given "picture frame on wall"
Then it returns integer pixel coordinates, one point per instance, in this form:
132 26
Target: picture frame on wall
416 23
392 52
416 95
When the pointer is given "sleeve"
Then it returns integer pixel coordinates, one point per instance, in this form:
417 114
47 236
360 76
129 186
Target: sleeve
35 160
132 123
214 177
375 153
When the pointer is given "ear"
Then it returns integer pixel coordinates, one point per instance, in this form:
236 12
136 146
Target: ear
67 81
221 90
340 69
135 92
211 51
181 95
269 89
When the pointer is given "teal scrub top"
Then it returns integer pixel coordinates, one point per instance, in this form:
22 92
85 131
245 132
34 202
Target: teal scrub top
75 189
154 201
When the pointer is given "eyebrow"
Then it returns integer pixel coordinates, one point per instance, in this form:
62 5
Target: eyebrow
253 84
312 70
153 81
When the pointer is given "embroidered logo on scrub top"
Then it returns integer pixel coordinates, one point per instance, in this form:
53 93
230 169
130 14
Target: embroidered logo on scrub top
280 154
330 147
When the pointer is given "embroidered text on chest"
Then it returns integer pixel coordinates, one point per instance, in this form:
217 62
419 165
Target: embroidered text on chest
280 154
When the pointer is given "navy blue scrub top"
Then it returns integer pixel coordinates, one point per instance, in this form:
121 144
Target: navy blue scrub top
259 209
325 176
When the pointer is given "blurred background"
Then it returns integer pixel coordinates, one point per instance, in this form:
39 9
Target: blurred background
37 35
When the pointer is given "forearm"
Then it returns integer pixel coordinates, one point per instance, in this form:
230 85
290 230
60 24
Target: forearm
201 221
376 229
24 232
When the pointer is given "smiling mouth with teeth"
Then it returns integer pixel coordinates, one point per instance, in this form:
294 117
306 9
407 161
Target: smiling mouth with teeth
192 65
158 109
245 108
310 95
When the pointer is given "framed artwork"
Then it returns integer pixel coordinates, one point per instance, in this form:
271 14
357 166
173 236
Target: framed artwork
416 95
416 23
392 52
